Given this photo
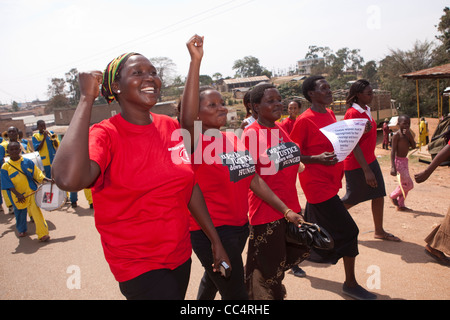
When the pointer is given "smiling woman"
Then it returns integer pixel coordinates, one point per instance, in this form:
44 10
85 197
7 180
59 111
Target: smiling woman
269 255
142 198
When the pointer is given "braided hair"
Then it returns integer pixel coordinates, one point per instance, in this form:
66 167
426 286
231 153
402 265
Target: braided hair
112 73
357 87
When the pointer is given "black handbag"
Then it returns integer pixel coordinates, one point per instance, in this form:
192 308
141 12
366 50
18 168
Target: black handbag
310 235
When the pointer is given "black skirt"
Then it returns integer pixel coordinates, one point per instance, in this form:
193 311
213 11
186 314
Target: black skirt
334 217
358 190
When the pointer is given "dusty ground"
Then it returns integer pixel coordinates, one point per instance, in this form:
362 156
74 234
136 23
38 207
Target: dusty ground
72 266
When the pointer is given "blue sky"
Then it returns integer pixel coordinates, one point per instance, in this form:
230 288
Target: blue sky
43 39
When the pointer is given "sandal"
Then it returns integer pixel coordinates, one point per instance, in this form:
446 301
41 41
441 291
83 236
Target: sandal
388 237
44 238
394 202
441 259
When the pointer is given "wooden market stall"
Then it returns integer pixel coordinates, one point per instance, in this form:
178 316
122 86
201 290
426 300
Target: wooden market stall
437 73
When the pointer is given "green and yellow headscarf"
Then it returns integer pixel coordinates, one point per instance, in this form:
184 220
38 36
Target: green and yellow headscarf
110 74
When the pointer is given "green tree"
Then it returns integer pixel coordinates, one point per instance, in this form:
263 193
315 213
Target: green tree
56 87
15 106
57 94
370 73
248 67
290 89
336 65
400 62
165 68
444 29
73 90
217 76
205 80
442 52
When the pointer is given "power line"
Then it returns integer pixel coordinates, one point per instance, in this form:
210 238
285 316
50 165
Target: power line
151 35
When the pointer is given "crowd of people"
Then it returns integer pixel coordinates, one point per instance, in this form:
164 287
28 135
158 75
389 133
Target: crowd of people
21 175
165 187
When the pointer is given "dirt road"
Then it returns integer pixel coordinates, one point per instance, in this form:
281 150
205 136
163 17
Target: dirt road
72 266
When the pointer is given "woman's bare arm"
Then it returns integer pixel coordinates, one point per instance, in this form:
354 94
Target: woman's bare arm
72 169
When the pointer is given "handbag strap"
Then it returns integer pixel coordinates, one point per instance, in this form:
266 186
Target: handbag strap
311 224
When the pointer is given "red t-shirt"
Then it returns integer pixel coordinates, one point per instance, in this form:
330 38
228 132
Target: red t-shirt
223 170
319 182
287 124
367 143
141 196
277 162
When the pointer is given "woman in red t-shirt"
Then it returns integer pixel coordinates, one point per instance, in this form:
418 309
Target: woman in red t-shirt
142 189
363 176
294 108
321 180
225 172
277 162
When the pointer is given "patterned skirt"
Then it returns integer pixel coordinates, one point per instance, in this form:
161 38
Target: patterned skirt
269 256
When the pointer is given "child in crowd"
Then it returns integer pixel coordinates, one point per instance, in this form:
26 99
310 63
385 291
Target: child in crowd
402 140
46 142
19 177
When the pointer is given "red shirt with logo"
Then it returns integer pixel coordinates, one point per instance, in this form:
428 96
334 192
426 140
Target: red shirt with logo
141 196
223 170
277 162
319 182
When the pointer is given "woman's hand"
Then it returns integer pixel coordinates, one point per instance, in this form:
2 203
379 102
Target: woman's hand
295 218
371 180
422 176
195 47
219 256
327 158
368 127
90 83
393 171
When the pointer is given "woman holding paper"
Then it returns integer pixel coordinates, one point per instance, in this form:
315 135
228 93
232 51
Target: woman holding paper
363 176
321 181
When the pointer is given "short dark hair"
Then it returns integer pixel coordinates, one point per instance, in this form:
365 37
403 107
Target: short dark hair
297 101
403 116
201 90
310 85
11 143
258 92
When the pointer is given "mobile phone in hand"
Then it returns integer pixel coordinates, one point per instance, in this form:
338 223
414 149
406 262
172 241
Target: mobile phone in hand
225 269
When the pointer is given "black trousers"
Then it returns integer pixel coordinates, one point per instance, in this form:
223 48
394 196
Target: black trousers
233 240
161 284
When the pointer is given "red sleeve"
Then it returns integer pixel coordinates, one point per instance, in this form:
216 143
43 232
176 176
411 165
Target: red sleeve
100 149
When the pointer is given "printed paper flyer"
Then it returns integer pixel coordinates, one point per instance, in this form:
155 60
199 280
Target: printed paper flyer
344 135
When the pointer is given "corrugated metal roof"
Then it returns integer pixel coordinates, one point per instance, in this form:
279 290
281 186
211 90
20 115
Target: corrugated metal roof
243 80
439 72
